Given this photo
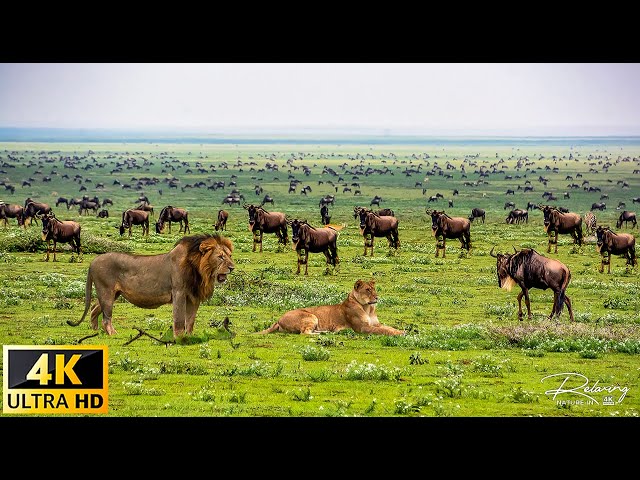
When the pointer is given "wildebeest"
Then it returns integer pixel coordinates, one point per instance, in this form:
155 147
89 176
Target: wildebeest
267 199
103 213
531 206
86 205
635 200
261 221
60 231
376 200
326 200
145 207
133 217
31 209
383 212
307 239
325 218
528 269
442 225
231 200
373 225
221 223
611 243
556 222
477 213
12 211
599 206
173 214
517 216
62 200
509 205
627 217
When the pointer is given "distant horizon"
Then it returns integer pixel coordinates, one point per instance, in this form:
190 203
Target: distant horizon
435 99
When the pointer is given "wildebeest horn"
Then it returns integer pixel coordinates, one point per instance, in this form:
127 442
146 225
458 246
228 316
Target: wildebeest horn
491 252
514 249
245 206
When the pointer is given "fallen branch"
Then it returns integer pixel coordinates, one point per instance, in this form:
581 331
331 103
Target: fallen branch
142 333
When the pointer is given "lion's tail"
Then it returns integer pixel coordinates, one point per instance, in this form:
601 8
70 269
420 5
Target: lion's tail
87 300
273 328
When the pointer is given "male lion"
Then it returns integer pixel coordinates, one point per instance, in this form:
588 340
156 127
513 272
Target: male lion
183 277
357 312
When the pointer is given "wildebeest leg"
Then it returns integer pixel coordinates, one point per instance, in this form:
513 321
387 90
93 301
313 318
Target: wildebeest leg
555 241
48 248
554 306
54 251
567 302
329 261
299 262
169 226
260 240
191 310
306 261
444 246
520 305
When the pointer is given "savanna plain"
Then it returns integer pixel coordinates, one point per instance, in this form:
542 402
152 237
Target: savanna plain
465 353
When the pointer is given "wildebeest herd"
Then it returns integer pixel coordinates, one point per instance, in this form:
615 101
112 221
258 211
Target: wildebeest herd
525 267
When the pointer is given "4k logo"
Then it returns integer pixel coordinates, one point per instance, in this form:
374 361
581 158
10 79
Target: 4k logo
62 379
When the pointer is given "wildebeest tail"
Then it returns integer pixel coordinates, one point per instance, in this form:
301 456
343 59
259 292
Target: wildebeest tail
87 300
273 328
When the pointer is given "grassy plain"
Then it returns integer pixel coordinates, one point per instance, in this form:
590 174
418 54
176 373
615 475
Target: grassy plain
466 353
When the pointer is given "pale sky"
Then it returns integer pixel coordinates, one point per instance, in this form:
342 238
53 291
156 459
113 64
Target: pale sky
421 98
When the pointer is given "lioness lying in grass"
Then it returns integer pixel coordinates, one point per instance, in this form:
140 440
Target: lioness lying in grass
357 312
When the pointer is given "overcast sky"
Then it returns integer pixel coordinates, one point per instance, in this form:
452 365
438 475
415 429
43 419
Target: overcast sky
425 98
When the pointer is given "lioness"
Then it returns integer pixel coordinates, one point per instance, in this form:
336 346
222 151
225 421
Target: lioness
183 277
357 312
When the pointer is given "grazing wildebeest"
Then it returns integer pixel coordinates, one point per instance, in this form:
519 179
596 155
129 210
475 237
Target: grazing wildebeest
517 216
510 192
145 207
528 269
324 215
261 221
383 212
531 206
87 205
627 217
103 213
12 211
307 239
221 223
231 200
133 217
376 200
598 206
611 243
173 214
477 213
373 225
267 199
509 205
31 209
621 206
107 201
62 200
635 200
590 222
60 231
442 225
557 222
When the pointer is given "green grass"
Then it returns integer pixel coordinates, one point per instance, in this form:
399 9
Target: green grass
465 354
